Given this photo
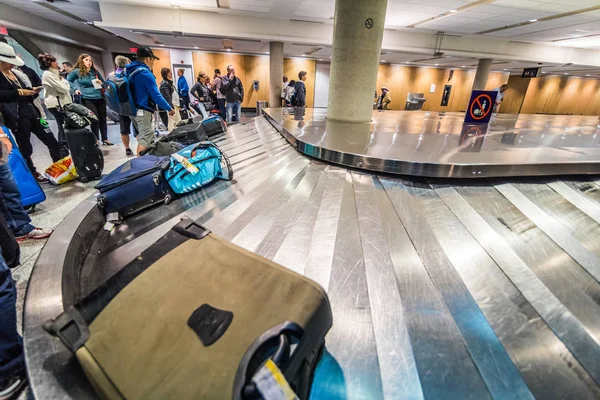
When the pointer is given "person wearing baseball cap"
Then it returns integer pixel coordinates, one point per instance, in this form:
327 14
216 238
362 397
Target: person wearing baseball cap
146 94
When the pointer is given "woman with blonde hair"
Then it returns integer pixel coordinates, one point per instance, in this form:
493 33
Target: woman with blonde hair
87 81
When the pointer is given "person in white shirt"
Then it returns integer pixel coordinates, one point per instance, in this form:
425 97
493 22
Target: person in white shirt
283 89
499 96
57 92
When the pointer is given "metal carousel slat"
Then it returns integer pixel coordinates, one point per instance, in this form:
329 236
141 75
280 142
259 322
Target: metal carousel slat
588 206
353 371
513 320
552 228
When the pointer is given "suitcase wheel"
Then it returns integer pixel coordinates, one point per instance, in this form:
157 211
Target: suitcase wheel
168 199
83 179
101 201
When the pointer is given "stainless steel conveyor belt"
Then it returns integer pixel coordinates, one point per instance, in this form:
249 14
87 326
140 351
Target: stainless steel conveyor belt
440 289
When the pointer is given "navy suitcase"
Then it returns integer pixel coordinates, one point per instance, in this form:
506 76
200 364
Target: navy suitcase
135 186
214 126
31 191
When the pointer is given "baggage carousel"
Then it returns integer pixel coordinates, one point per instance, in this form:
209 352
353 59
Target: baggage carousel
440 288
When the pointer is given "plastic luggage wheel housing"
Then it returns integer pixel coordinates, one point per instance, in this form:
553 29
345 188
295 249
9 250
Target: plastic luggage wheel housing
276 344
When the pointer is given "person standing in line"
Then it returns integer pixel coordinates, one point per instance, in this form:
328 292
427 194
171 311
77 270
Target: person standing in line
499 96
20 115
183 89
167 90
216 85
35 81
234 94
124 120
87 81
201 91
284 90
300 92
67 68
57 92
146 94
384 100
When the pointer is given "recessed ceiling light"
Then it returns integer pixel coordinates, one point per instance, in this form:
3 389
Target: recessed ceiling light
453 11
329 57
303 55
266 52
437 64
162 45
533 20
566 73
505 69
320 59
228 49
408 62
588 75
464 66
383 61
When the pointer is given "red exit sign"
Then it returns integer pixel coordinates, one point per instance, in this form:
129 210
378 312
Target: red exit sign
133 49
3 31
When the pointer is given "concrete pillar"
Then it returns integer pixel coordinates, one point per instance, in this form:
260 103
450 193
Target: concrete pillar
275 73
357 34
483 71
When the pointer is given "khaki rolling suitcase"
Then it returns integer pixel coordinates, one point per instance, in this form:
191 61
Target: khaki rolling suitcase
196 317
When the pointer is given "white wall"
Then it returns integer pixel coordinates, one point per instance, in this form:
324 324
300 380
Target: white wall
322 84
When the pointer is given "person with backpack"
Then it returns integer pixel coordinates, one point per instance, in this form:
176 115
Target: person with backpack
125 121
289 93
87 81
233 90
146 95
57 92
300 91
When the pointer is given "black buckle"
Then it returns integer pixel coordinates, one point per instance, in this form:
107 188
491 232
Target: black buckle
189 228
71 328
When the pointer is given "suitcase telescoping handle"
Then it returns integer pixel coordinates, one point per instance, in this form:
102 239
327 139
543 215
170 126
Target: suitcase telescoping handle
279 337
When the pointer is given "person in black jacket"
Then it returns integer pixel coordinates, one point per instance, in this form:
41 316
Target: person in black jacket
234 94
167 89
202 92
300 92
20 115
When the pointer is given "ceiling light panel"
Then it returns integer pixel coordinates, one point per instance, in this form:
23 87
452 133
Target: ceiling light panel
259 6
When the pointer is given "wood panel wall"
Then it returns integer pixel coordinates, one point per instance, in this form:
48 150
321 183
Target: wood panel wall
250 68
562 95
401 80
164 62
291 68
514 96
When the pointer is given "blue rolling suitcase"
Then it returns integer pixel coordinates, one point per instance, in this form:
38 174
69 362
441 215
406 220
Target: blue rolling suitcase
196 166
31 191
135 186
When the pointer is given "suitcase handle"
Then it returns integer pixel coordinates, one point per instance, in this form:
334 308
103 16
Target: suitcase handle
280 337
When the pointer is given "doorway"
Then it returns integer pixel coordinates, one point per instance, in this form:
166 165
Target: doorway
188 73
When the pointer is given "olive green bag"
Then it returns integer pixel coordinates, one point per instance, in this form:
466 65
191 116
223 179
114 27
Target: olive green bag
195 317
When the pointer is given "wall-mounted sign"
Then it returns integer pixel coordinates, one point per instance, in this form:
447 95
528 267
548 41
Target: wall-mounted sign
432 88
480 107
446 95
369 23
133 49
530 72
3 31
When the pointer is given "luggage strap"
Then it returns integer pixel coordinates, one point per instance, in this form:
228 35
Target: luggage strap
72 326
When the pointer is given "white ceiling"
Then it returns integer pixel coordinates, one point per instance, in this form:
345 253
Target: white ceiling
580 30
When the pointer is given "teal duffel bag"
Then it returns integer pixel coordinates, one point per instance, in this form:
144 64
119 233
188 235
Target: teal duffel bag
196 166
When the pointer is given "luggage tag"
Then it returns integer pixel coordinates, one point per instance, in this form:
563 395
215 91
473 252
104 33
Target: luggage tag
191 168
271 383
